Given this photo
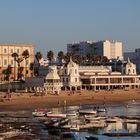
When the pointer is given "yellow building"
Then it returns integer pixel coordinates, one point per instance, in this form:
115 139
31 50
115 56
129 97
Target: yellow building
6 59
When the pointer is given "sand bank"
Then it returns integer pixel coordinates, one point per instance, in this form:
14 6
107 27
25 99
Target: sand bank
26 102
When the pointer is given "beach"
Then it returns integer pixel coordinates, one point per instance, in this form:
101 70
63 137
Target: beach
26 101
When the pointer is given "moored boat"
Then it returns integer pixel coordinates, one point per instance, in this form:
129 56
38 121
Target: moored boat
87 111
38 114
58 115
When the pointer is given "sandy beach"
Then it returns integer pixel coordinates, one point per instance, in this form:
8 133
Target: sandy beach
26 102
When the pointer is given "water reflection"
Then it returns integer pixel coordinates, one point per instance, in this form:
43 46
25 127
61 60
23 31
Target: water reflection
119 118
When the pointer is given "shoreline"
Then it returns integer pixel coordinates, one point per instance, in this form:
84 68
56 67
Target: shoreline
26 102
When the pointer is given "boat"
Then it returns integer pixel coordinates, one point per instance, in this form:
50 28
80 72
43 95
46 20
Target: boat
101 110
94 118
87 111
38 114
71 114
58 115
112 120
91 138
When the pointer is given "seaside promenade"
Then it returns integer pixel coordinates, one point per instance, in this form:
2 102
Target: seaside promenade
24 101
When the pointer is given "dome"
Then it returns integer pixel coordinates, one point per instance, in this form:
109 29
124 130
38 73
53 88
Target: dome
53 73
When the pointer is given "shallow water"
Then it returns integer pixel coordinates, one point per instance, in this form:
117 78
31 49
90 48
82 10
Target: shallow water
22 125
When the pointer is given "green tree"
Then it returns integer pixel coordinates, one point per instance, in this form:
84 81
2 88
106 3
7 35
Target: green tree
61 56
7 72
19 60
50 56
38 56
15 56
25 55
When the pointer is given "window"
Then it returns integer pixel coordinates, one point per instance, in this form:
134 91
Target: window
75 71
67 79
11 51
17 50
128 70
70 71
5 61
75 79
5 50
12 62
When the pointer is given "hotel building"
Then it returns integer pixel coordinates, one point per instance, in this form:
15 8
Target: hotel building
6 59
112 50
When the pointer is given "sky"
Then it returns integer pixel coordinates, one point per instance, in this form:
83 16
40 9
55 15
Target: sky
52 24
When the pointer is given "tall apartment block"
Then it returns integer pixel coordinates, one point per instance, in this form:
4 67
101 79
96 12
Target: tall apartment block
6 59
112 50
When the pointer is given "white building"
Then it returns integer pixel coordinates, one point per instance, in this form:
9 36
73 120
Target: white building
75 77
134 57
52 83
70 76
112 50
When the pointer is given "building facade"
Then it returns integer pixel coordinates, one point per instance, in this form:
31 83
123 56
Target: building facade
112 50
135 58
6 59
71 76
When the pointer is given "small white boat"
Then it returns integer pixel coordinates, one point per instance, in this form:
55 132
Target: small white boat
87 111
101 110
38 113
71 114
52 115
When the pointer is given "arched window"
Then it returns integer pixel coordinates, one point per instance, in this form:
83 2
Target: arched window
75 71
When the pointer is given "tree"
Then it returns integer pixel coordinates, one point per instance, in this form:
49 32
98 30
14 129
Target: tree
50 55
38 56
67 57
61 56
25 55
15 56
19 60
7 73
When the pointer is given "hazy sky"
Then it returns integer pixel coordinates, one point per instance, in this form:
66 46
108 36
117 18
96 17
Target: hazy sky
51 24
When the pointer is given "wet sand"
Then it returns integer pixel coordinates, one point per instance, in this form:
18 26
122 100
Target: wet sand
26 102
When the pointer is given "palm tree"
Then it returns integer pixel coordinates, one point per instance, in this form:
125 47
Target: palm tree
38 56
19 60
15 56
7 73
60 56
25 55
50 55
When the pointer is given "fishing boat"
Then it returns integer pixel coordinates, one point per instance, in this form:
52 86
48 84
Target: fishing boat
40 112
101 110
87 111
58 115
94 118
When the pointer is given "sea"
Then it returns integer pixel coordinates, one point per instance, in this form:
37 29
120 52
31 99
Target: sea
122 121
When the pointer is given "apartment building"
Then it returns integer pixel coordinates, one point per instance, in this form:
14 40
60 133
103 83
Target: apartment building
6 59
112 50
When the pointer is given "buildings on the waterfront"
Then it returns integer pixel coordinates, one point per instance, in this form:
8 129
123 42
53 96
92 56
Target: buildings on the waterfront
71 76
135 58
112 50
6 59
